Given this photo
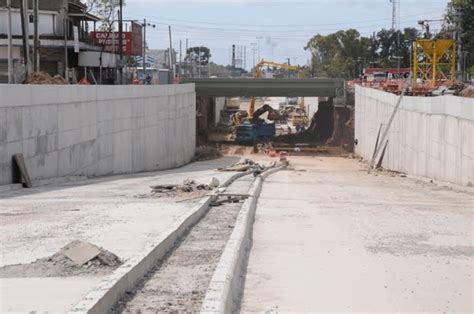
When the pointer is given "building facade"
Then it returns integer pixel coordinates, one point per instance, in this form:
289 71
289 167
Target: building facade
64 40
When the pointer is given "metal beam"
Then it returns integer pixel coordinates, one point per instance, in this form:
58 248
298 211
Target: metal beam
268 87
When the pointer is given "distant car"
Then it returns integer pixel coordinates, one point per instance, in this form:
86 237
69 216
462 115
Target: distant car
380 76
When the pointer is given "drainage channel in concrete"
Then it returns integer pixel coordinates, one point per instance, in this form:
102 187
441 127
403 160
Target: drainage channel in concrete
179 282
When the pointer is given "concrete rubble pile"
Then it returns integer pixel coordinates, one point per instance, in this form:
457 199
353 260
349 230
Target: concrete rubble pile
244 165
456 89
468 92
188 186
76 258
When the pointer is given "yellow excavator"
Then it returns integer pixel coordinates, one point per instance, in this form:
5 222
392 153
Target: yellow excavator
258 74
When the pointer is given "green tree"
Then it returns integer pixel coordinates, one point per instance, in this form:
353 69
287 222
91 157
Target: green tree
199 55
346 53
394 44
460 17
103 9
340 54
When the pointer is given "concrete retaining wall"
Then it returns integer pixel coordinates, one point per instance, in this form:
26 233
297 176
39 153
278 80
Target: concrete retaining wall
430 137
96 130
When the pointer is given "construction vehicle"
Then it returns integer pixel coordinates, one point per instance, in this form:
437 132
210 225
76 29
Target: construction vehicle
256 129
258 74
253 129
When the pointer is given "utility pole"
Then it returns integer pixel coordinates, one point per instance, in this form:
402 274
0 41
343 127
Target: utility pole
209 67
171 54
199 62
396 26
25 35
395 14
10 44
459 44
35 36
245 57
66 23
145 25
233 56
180 57
187 60
120 18
253 52
258 39
464 72
144 51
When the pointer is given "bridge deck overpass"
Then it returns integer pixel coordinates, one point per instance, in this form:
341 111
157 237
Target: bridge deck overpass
218 87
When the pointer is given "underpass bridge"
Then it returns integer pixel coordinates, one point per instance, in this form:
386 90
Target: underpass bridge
247 87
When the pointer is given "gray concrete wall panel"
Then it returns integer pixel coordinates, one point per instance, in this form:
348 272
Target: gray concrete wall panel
96 130
430 137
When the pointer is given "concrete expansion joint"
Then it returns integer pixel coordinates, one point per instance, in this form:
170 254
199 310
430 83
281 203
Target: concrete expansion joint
225 286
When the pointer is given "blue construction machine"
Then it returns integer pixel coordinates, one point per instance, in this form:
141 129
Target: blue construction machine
255 129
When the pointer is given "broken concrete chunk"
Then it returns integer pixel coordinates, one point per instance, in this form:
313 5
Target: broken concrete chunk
80 252
189 182
214 183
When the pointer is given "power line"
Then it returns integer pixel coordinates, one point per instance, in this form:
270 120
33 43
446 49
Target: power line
273 26
263 32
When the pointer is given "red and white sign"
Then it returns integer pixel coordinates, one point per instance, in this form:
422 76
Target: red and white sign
111 41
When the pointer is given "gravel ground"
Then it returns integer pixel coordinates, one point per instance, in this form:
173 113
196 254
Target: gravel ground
180 282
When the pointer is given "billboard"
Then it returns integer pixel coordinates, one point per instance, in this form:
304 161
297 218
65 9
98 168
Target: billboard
137 39
131 41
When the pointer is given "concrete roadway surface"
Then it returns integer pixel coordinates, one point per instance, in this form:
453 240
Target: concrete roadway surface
334 239
36 223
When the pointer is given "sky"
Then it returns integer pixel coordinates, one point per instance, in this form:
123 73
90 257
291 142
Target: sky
280 27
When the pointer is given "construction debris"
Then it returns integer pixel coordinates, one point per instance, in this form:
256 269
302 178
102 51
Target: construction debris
206 153
442 90
228 198
468 92
76 258
243 165
80 252
188 186
43 78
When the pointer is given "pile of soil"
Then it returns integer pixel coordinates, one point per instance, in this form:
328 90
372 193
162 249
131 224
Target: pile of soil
468 92
43 78
330 125
59 265
203 153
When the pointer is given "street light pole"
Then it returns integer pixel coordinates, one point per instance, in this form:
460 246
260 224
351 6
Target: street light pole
144 25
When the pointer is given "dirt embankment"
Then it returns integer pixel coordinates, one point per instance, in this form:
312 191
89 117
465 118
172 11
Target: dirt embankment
332 125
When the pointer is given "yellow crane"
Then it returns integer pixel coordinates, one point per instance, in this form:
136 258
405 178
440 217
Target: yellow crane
258 74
